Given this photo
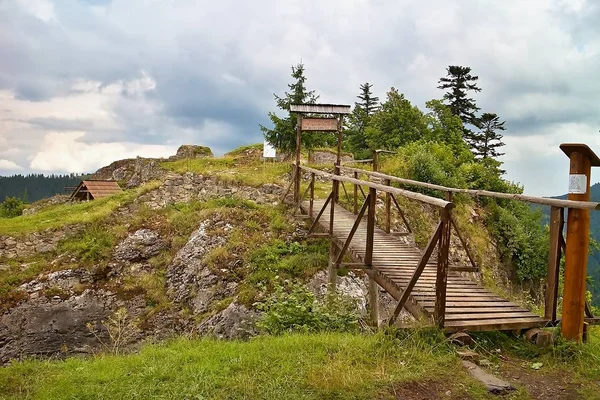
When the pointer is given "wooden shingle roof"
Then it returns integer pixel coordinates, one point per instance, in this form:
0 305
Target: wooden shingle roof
96 188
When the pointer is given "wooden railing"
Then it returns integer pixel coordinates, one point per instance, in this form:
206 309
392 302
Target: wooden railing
439 239
557 222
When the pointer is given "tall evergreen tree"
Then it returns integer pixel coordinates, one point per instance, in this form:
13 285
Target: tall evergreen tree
458 82
283 134
488 140
369 104
359 120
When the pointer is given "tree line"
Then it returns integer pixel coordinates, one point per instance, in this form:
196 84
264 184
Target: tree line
396 122
33 187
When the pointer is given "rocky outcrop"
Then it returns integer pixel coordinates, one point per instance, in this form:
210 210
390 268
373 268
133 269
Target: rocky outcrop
234 322
329 157
140 245
189 186
49 325
36 243
132 172
190 151
189 281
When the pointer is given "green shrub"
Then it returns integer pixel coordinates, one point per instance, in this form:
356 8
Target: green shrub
11 207
93 244
294 308
521 239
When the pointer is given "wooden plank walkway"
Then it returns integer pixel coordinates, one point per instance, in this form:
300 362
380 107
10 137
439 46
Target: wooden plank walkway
469 306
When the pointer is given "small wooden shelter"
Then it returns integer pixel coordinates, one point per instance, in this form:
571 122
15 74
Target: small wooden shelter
92 189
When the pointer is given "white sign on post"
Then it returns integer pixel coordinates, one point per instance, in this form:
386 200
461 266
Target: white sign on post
269 151
577 184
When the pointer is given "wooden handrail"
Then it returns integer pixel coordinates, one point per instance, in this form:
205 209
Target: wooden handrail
434 201
585 205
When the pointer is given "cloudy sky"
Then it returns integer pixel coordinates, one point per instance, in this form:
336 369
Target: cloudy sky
83 83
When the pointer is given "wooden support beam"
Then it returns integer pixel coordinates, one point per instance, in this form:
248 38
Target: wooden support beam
554 255
442 270
316 220
418 271
374 302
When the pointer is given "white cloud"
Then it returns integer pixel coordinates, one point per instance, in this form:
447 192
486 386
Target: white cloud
205 72
8 165
42 9
67 153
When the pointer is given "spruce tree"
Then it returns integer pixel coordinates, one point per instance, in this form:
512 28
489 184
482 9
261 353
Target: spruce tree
359 120
283 134
488 140
459 82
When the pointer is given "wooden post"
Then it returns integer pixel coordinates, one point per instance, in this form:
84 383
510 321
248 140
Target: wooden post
388 208
338 160
374 302
442 270
298 171
375 161
556 228
581 159
370 227
312 194
373 290
332 247
355 194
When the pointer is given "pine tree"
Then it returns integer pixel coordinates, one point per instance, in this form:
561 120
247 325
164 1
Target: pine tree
459 81
488 139
283 134
359 120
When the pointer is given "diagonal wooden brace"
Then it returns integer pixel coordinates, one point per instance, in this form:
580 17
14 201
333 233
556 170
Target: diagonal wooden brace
401 213
464 244
418 271
316 221
352 232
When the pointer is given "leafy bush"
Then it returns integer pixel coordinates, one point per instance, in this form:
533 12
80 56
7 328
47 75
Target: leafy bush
11 207
521 238
294 308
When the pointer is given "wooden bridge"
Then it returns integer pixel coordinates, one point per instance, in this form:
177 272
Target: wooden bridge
422 281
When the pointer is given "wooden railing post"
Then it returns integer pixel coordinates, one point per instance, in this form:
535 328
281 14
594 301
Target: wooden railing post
556 227
388 209
370 226
442 270
355 194
373 289
375 161
312 193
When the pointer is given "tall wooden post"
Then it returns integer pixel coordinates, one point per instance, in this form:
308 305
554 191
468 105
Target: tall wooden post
298 171
581 159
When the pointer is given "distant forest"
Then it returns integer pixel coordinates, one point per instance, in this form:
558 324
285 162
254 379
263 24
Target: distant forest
33 187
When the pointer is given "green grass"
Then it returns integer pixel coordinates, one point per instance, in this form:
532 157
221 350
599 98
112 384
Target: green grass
66 214
330 366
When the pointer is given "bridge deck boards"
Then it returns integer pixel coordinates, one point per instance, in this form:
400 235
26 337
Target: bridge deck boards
469 306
